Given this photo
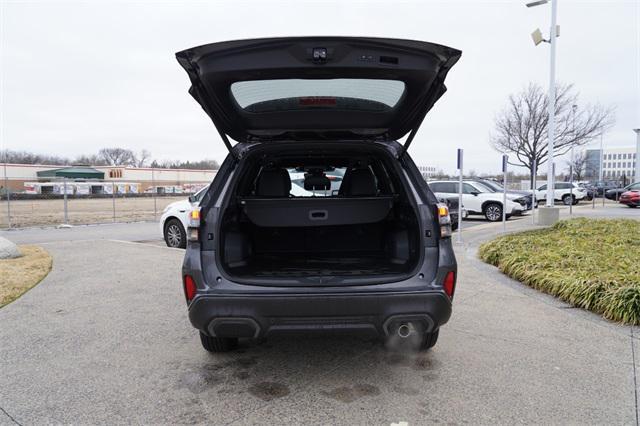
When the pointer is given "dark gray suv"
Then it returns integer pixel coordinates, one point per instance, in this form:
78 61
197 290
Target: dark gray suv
359 242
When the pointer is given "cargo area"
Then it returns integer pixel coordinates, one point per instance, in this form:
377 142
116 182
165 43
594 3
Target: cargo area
382 247
319 217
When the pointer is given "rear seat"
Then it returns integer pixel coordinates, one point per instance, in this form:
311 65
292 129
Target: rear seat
359 183
273 183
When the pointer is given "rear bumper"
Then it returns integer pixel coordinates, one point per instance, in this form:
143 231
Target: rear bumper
261 315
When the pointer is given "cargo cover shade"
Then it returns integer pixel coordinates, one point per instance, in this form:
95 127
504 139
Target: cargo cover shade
317 88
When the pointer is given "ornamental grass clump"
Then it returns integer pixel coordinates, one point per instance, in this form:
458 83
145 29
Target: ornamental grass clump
590 263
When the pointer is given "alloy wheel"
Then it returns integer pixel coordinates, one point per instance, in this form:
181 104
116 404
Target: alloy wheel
568 199
494 213
174 235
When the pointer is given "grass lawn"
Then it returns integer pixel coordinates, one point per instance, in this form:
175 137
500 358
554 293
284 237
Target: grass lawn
21 274
592 264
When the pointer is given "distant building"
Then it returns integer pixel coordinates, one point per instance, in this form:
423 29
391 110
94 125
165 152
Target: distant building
616 163
427 171
21 177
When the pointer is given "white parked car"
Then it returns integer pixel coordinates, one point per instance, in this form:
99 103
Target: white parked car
562 193
175 219
480 200
297 186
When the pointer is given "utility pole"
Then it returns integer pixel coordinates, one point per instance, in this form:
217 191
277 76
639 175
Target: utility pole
552 105
549 215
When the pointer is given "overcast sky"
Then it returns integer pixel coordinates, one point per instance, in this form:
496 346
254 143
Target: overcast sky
78 76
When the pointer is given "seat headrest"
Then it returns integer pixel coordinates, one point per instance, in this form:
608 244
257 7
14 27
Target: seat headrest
273 183
361 182
316 182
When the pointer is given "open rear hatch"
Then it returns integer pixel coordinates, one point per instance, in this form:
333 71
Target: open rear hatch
315 97
317 88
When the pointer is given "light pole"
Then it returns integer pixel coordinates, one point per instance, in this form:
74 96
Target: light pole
574 108
551 131
637 177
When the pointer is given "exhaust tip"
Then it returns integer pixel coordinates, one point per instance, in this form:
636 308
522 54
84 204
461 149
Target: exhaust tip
234 327
405 330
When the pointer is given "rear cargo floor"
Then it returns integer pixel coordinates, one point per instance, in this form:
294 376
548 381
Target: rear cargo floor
305 264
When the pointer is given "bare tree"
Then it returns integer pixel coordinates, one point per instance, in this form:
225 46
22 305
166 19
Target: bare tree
521 128
579 165
440 174
143 158
199 165
24 157
89 160
117 156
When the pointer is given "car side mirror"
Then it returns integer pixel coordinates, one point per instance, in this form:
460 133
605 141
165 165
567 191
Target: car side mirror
192 198
475 193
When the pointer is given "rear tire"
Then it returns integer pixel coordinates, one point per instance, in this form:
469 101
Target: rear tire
174 234
430 340
568 199
493 212
218 344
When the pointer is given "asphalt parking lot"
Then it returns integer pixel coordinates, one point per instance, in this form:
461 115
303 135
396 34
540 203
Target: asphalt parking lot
105 339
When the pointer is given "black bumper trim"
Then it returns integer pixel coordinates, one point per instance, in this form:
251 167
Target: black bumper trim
317 312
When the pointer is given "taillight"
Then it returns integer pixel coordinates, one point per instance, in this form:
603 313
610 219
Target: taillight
449 284
194 225
444 220
194 218
189 288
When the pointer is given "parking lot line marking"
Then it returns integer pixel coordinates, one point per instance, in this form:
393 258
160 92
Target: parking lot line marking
84 240
146 245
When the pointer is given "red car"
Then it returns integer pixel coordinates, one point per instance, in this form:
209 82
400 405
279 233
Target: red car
631 198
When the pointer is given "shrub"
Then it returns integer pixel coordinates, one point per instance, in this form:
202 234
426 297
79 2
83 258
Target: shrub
592 264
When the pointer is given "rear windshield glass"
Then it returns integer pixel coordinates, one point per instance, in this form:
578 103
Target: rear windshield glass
340 93
298 187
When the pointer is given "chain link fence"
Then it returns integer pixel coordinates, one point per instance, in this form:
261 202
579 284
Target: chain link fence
28 202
